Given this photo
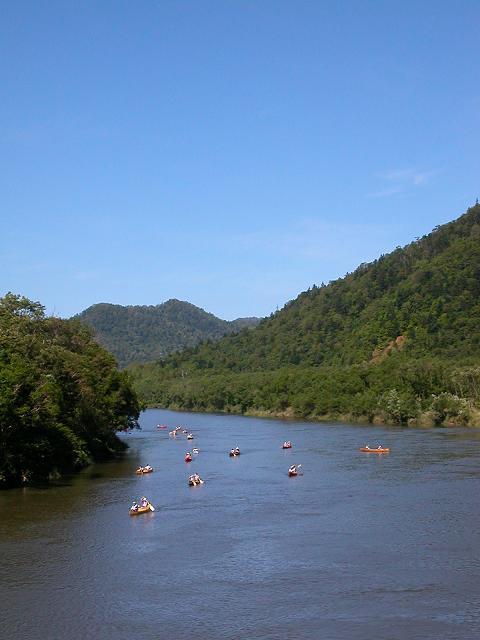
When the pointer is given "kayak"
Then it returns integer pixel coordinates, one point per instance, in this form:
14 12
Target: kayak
140 510
377 450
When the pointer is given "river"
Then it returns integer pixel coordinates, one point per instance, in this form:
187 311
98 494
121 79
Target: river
359 547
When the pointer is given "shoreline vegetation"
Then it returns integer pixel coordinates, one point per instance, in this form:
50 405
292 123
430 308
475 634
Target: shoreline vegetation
395 342
62 398
426 420
426 394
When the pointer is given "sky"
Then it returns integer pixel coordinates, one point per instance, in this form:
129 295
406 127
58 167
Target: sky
230 153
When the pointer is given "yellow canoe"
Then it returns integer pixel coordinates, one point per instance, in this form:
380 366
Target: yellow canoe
136 512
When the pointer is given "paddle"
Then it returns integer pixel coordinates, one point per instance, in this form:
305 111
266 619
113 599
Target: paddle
152 508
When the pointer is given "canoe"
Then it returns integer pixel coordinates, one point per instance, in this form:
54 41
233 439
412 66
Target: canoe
233 455
140 510
292 473
286 446
194 484
188 458
378 450
142 471
189 437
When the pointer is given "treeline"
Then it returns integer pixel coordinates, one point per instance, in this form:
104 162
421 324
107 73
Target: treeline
62 398
144 333
390 341
397 390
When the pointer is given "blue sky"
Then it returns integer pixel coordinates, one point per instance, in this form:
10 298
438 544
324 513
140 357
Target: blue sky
230 153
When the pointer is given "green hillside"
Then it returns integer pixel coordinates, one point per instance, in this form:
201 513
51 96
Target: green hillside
143 333
395 340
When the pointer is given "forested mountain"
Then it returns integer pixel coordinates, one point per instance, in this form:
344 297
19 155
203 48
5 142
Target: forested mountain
143 333
375 344
62 397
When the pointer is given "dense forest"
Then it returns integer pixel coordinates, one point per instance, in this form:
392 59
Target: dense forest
144 333
397 340
62 398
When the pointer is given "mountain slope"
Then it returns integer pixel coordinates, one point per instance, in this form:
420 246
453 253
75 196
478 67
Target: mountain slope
142 333
418 302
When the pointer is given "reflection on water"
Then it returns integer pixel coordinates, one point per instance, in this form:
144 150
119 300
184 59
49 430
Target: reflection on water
360 547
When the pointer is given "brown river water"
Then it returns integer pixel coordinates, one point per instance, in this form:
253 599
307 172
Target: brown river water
359 547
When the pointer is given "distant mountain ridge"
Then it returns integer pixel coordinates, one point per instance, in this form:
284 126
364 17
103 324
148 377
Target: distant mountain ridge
141 333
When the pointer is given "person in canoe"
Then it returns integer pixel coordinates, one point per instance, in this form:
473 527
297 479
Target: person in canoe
194 480
293 470
147 469
143 502
134 506
287 444
195 451
237 451
188 457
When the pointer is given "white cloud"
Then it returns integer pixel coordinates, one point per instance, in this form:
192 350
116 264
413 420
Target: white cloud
401 180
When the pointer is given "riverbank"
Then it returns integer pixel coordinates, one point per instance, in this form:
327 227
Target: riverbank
425 420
